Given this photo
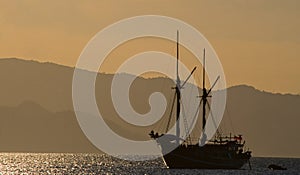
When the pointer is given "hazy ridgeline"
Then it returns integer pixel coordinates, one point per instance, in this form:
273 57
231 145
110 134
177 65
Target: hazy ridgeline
36 112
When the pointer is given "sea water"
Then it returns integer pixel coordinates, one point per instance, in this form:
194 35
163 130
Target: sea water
61 163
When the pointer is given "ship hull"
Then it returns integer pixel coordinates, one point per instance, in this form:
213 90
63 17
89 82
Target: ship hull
207 157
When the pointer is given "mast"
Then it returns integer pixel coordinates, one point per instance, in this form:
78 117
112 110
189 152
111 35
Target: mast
178 94
177 56
203 70
204 93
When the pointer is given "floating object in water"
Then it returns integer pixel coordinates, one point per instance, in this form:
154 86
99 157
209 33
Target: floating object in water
276 167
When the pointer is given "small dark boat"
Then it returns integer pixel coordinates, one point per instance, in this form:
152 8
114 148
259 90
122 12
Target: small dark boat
276 167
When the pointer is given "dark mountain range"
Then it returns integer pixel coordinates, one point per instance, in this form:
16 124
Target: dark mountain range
36 112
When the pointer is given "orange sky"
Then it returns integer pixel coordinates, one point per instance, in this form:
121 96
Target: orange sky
257 41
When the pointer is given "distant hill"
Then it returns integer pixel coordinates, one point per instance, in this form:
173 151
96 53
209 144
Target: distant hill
30 128
270 122
36 112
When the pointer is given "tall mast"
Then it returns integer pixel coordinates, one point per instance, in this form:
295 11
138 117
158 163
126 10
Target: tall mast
178 94
203 70
204 95
177 56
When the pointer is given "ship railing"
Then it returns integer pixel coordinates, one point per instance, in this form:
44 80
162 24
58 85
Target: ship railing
230 138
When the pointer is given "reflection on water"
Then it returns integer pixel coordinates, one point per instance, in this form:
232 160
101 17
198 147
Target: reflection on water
55 163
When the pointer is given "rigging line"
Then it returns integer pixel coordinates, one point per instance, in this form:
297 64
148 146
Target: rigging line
185 124
196 113
195 116
189 103
198 127
214 122
231 125
171 112
200 90
165 78
190 93
161 125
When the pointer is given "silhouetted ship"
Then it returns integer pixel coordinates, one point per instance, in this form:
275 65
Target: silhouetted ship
223 152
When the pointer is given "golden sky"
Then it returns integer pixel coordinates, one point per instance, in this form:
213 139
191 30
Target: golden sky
257 41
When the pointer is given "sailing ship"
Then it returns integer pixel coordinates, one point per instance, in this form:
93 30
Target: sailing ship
223 152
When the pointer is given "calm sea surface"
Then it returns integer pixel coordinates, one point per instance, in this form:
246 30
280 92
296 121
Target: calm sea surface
29 163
